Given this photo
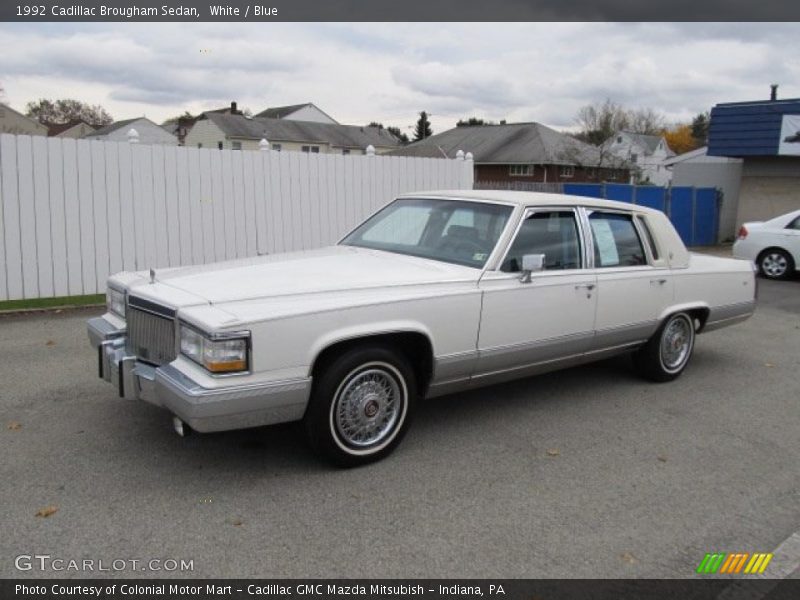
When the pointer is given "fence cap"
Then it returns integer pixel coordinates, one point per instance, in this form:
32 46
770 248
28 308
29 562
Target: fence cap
133 136
460 155
370 150
263 144
469 156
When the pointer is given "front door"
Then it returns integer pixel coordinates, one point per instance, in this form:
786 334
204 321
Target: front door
526 325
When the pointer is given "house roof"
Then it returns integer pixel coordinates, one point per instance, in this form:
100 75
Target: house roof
280 112
281 130
113 127
24 116
648 142
57 128
511 143
749 128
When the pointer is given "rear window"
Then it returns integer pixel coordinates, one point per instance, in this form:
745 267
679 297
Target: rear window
616 243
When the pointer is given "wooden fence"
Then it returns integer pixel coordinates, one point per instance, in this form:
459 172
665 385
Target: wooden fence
74 211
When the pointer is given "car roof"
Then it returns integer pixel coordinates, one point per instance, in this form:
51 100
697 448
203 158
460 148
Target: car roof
527 199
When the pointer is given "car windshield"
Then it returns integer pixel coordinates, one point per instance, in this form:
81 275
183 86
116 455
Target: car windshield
453 231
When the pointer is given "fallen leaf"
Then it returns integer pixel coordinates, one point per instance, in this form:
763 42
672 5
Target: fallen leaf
14 426
237 522
553 452
59 311
46 511
769 365
662 457
628 558
50 343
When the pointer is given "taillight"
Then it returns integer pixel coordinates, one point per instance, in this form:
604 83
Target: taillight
742 232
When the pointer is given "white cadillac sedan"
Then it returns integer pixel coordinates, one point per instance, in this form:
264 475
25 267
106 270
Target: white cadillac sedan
774 245
436 293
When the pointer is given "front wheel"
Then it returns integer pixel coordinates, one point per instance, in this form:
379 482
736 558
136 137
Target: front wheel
360 405
666 354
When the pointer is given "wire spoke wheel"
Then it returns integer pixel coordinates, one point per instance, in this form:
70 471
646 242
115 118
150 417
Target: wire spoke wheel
676 343
367 406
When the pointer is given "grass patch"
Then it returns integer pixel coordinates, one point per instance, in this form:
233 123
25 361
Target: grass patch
58 302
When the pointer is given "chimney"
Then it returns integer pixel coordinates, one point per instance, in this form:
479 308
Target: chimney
233 109
773 94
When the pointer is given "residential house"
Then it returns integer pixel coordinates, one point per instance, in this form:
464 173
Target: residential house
697 169
298 112
765 135
12 121
148 132
74 129
237 132
645 153
518 155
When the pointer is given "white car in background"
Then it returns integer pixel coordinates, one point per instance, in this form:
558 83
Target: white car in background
774 245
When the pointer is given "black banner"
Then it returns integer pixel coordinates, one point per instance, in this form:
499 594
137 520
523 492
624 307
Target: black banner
428 589
394 10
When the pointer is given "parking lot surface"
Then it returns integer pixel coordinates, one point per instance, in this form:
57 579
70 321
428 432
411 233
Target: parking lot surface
589 472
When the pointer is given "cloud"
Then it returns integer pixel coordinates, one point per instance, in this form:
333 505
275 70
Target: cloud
390 71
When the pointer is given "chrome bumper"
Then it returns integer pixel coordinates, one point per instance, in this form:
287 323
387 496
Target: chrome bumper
236 406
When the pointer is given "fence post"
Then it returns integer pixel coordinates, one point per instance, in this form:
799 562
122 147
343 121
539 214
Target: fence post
460 155
370 150
469 171
133 136
263 144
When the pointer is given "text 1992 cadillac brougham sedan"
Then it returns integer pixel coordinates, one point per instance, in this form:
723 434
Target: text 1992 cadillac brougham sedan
435 293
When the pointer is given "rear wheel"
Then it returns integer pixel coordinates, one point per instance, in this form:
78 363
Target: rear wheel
666 354
360 406
775 263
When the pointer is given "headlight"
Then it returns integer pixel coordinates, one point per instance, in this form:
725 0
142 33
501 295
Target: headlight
226 354
115 302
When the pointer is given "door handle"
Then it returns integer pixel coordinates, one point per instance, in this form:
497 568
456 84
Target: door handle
658 281
586 286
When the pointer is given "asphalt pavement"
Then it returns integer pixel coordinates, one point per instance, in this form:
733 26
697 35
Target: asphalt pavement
589 472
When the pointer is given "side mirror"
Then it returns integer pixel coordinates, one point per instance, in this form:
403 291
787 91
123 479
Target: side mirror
531 263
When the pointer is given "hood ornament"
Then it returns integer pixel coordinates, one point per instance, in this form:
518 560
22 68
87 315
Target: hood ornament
152 275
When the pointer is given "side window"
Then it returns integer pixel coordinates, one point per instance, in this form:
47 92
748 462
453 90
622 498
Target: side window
649 235
794 224
552 233
616 243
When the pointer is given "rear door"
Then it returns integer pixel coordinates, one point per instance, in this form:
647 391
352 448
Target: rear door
634 283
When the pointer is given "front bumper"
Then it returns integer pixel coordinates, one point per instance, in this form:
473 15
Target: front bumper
235 406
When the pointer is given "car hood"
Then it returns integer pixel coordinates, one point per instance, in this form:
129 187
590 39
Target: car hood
333 269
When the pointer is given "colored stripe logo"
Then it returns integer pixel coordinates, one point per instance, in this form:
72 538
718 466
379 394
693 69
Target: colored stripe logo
734 563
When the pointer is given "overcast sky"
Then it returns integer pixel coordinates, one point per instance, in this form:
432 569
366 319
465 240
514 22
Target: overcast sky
388 72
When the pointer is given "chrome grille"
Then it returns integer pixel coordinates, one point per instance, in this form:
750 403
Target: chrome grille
151 337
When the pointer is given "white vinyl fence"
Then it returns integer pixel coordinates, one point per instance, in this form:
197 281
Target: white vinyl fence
74 211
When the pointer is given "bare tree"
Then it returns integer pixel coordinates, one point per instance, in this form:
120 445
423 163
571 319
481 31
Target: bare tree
646 121
598 122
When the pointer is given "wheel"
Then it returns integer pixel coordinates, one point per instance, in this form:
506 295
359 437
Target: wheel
360 405
775 263
667 353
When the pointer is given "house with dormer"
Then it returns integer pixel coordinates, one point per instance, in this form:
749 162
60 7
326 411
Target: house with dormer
644 153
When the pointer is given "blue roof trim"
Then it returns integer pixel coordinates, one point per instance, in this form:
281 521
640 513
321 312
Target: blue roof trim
748 128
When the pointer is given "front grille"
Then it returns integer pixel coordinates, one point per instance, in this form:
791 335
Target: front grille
151 337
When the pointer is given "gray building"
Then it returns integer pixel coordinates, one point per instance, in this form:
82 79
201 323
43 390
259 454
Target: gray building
698 169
